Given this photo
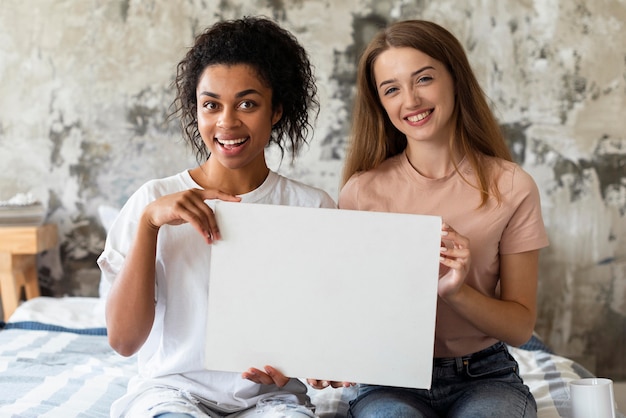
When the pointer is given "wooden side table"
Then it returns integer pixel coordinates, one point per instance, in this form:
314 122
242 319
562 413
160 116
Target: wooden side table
19 246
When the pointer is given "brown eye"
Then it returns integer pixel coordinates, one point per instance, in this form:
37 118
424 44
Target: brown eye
247 104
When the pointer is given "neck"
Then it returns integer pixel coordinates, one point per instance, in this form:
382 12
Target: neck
212 175
433 162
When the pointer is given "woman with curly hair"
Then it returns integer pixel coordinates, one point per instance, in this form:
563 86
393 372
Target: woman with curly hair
243 85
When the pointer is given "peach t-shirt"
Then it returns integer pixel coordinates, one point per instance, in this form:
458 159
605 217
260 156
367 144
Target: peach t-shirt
513 226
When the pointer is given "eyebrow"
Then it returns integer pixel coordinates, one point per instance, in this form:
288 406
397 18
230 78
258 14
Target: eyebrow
237 96
413 74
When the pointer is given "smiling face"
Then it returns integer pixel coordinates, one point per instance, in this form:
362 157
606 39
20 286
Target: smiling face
235 115
417 92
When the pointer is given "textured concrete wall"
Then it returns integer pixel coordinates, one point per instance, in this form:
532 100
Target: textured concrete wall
86 85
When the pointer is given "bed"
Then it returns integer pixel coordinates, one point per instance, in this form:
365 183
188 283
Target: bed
55 361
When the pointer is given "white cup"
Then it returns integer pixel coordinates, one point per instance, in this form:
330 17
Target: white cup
592 398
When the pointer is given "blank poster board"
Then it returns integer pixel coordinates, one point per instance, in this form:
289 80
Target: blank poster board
324 293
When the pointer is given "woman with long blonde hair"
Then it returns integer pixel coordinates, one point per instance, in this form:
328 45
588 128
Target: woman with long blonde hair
425 141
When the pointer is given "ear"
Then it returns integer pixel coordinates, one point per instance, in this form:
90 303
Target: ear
278 113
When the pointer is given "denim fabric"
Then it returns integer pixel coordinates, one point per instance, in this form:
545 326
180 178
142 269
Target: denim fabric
483 384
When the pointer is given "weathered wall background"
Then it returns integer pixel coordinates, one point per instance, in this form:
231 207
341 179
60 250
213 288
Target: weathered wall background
85 90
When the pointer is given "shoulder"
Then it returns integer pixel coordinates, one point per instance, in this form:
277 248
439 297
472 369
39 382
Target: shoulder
295 193
171 184
388 169
385 170
510 177
155 188
388 173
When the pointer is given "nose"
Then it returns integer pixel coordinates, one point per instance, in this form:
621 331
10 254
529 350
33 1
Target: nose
227 119
412 97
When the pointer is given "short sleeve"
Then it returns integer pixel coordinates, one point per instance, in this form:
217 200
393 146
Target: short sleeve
121 234
525 230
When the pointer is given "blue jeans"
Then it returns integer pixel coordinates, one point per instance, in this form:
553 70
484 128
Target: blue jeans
483 384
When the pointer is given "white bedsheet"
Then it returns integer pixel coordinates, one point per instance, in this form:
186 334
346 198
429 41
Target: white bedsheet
70 312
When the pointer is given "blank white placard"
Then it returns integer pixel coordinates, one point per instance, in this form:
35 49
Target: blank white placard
324 293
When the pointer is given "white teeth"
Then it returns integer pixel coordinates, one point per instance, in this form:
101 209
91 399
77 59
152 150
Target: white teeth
231 141
419 117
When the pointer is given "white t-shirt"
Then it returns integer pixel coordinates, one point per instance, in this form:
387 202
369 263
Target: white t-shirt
173 354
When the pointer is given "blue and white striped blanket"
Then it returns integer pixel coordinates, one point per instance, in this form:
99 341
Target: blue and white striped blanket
64 371
54 372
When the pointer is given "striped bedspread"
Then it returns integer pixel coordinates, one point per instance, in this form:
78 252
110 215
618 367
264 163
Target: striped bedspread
57 371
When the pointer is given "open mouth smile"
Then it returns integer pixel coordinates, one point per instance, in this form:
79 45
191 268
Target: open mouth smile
419 116
231 143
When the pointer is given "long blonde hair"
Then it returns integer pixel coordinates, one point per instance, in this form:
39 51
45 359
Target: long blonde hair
374 138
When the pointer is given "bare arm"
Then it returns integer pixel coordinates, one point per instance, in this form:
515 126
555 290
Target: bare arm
130 305
512 317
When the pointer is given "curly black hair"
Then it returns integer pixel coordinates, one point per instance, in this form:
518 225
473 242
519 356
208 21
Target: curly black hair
280 62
